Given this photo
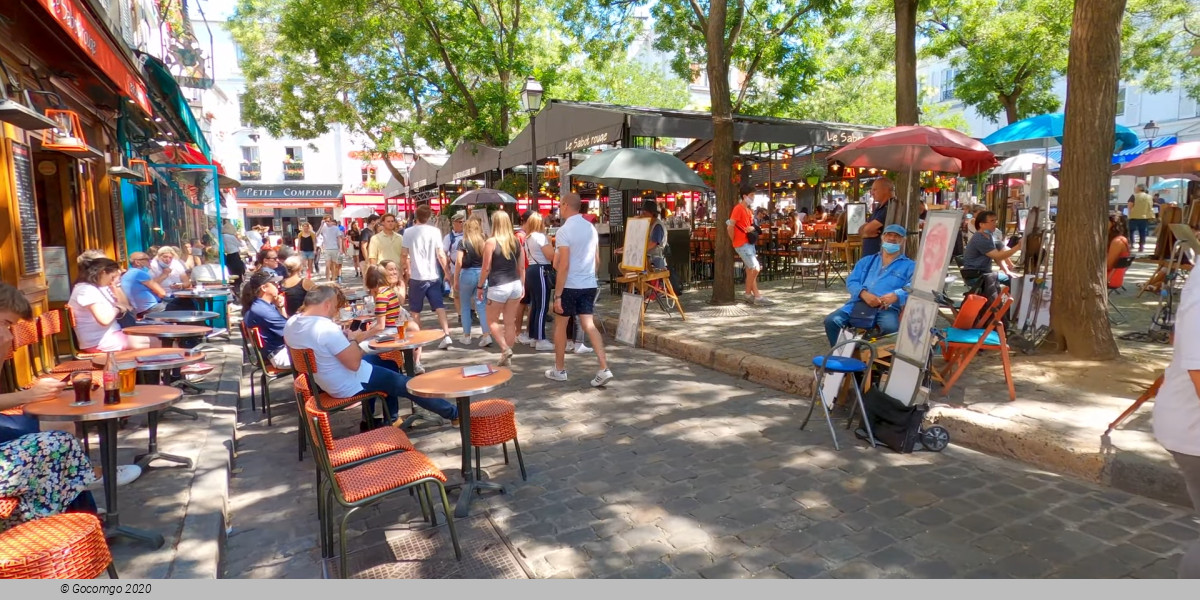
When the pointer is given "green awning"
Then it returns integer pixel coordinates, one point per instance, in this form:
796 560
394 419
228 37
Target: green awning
162 78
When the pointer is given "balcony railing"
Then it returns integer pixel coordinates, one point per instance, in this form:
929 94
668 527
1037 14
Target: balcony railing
250 171
293 170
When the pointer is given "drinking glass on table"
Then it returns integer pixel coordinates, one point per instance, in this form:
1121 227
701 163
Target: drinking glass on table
128 376
81 381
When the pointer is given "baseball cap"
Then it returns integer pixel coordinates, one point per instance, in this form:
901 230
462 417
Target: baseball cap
262 277
896 229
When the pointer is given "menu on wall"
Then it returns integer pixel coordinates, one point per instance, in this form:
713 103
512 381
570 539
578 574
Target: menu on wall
616 214
31 241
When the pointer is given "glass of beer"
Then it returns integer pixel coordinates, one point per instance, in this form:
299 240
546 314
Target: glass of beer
128 376
81 381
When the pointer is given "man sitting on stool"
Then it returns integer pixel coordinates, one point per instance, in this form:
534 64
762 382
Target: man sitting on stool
879 280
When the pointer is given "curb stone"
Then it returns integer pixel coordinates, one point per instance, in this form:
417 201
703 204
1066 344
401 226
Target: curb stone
991 435
202 536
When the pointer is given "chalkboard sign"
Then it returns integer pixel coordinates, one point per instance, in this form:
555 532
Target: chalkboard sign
31 240
118 212
616 210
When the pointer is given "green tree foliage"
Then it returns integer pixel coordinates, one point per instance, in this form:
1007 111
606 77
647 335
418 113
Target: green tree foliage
400 71
1007 53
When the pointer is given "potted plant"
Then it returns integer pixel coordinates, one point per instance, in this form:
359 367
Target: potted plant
813 173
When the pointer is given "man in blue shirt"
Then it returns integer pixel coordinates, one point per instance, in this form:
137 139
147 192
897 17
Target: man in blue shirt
261 300
879 281
144 290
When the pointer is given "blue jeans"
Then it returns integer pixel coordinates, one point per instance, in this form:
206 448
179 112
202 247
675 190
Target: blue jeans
13 427
1138 227
888 321
468 295
385 378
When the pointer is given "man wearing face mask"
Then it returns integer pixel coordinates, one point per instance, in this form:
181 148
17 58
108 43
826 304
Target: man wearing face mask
878 281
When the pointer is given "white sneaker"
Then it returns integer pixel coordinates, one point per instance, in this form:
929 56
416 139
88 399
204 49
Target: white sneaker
582 348
556 375
570 347
602 378
524 339
544 346
465 340
485 341
505 358
418 369
446 343
126 474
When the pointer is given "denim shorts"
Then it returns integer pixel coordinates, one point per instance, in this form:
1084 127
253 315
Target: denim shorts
419 289
749 259
308 255
578 302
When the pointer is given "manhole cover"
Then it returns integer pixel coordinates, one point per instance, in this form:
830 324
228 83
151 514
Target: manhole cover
426 553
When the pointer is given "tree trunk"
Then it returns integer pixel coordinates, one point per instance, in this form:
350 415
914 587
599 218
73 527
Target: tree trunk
1010 108
907 191
723 151
1078 310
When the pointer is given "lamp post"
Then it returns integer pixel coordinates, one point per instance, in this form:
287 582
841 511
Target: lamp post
1151 130
531 101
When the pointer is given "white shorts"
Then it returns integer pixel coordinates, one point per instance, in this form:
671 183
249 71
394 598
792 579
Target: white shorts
334 255
504 292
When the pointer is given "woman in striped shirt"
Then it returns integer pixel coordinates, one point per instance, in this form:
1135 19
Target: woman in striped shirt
383 282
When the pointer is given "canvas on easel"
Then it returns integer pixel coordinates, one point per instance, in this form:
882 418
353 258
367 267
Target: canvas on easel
637 238
937 245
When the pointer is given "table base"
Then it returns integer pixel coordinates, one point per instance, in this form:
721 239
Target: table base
408 421
467 491
133 533
152 454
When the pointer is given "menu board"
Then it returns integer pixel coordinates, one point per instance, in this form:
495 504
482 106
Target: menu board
31 240
616 210
118 212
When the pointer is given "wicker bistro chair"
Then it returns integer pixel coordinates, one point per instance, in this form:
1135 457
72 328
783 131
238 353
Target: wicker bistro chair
369 482
494 421
304 362
25 335
63 546
267 372
49 326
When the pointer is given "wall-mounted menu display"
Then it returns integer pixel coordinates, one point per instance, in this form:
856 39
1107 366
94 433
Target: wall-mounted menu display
118 212
31 239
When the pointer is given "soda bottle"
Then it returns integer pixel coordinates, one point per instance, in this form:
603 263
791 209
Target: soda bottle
112 381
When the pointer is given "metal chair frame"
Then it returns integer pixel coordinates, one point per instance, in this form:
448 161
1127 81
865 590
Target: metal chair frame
818 395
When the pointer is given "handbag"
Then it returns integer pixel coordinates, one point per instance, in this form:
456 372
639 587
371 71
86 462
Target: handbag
863 315
751 235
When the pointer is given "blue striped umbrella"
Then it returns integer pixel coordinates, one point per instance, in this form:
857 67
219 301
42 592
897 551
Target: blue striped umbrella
1044 131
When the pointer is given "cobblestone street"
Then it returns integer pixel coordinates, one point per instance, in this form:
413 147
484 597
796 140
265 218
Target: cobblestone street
674 470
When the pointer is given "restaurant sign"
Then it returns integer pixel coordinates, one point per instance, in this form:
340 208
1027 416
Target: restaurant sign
289 192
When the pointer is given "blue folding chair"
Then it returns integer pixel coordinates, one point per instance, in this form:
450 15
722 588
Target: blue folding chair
855 368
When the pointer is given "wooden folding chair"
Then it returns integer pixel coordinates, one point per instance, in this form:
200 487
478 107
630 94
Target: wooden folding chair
961 345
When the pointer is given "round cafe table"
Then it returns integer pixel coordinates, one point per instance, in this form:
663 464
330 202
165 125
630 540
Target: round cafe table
148 399
168 334
450 383
181 317
408 346
205 297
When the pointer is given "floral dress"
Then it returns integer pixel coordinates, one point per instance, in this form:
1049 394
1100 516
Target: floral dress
45 472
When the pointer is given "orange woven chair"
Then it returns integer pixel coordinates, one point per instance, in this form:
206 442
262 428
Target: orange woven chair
50 325
304 362
369 482
63 546
25 335
267 371
349 451
494 421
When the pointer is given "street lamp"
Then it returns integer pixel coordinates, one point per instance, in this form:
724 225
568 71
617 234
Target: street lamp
1151 130
531 101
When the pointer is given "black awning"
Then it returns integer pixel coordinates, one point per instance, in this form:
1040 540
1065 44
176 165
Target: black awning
467 160
565 126
423 175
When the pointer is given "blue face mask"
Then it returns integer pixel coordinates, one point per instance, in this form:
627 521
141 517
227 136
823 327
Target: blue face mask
890 247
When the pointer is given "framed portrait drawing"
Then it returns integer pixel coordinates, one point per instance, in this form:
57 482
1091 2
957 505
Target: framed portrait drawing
1022 218
637 237
914 338
937 243
856 217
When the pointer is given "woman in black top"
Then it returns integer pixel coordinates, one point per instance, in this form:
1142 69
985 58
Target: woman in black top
307 240
294 287
502 256
355 236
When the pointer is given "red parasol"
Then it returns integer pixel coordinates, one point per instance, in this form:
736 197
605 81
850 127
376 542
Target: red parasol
918 148
1177 159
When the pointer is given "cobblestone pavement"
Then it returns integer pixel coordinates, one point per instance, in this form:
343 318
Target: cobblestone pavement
677 471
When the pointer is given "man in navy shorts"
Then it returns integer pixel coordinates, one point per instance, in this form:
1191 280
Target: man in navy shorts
420 257
575 261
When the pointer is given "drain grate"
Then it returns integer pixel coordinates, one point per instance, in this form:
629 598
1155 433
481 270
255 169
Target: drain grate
426 553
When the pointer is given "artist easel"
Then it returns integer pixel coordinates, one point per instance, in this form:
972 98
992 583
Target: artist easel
1150 392
638 283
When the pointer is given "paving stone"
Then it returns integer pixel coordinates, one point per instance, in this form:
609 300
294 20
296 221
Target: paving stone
1131 555
978 523
828 530
1148 510
871 541
759 559
691 560
647 570
902 527
1103 530
932 569
1023 566
1178 533
932 516
836 551
806 567
725 568
1153 542
792 542
857 569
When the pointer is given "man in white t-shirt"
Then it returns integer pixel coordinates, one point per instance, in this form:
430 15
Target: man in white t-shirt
576 260
342 369
420 256
329 238
1177 408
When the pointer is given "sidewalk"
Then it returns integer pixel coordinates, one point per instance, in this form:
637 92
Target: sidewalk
1062 408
